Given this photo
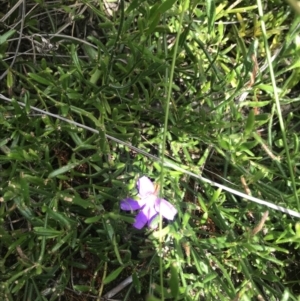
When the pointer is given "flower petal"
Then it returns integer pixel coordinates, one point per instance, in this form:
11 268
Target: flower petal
140 220
149 211
130 205
167 210
145 186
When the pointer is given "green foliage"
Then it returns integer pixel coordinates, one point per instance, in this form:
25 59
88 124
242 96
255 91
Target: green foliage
137 73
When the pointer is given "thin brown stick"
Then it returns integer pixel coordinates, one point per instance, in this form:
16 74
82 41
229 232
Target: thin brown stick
260 224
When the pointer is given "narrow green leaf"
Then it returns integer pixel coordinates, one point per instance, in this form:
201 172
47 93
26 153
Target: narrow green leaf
133 5
65 108
297 228
255 104
186 5
153 25
115 114
173 282
91 220
208 278
74 200
47 232
215 196
166 5
7 35
112 276
19 284
62 170
75 58
249 123
75 138
74 95
9 79
21 238
26 211
62 241
211 14
40 79
136 282
91 52
60 218
95 76
116 216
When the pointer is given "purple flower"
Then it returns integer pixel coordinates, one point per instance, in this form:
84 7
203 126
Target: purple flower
149 203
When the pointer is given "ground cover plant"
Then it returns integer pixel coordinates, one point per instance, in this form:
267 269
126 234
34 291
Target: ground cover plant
199 99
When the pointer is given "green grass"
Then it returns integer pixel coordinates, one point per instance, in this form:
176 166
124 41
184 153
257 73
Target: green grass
201 97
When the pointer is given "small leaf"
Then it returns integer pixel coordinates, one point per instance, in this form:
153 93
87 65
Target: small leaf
136 282
5 36
75 58
115 114
60 218
9 79
91 220
174 283
74 199
153 25
65 109
297 228
82 288
209 277
166 5
119 217
112 276
186 5
74 95
19 284
62 241
40 79
47 232
91 52
249 123
62 170
95 76
211 14
133 5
